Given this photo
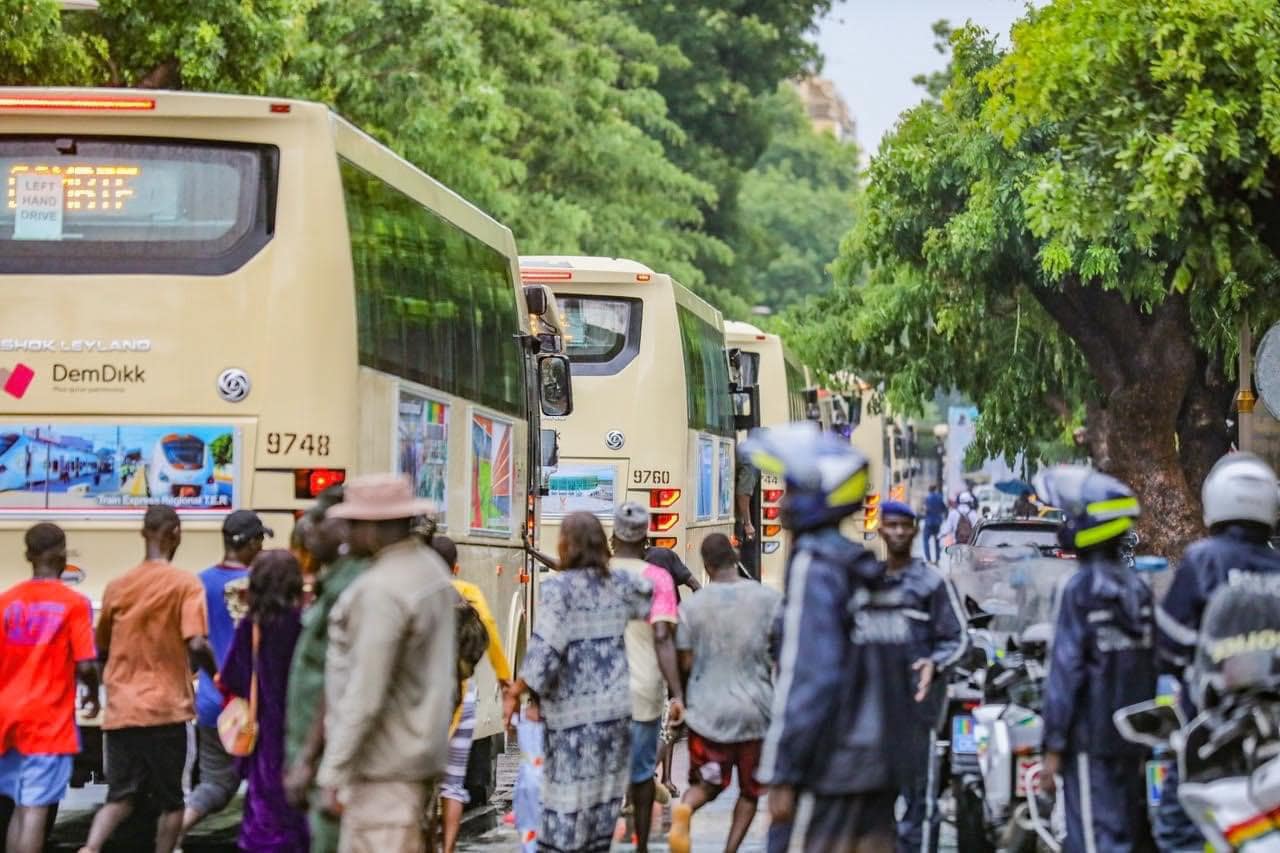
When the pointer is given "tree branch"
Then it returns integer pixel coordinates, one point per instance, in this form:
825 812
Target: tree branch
160 77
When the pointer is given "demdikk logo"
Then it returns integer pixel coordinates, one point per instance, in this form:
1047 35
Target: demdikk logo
16 381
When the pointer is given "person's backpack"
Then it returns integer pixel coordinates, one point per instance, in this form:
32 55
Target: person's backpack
473 638
964 529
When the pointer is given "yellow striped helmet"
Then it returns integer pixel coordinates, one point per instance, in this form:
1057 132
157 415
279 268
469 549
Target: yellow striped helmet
826 479
1099 508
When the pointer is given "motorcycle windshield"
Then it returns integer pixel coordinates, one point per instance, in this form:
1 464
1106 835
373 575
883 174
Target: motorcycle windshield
1017 586
1239 647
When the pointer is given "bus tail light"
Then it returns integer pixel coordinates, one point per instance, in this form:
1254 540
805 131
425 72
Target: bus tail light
663 498
772 496
772 529
119 103
310 482
668 542
771 512
771 547
661 522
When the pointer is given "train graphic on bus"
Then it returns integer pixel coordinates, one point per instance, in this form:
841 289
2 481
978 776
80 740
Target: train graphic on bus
181 466
27 460
77 466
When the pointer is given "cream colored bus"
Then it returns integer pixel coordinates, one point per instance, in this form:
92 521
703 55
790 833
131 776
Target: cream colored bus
782 381
654 420
217 301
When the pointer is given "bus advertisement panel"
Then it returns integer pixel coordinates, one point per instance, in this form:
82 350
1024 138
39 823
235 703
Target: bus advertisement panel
74 468
491 475
582 488
423 433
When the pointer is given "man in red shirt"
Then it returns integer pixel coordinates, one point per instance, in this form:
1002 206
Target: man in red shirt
46 643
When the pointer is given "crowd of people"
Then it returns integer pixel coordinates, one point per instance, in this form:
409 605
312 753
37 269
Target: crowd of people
362 696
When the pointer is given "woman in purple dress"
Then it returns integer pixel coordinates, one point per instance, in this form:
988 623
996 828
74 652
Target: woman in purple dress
275 590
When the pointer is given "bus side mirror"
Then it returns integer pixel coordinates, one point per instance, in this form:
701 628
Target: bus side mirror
555 386
855 410
537 298
549 443
746 409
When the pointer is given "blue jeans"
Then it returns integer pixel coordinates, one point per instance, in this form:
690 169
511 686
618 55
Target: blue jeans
932 554
644 749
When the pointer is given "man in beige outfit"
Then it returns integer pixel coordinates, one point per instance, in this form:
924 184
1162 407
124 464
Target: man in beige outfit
389 673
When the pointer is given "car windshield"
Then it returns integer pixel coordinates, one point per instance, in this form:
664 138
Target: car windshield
1041 536
1017 587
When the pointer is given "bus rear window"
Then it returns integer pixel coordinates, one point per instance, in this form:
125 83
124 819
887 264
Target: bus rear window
604 334
101 205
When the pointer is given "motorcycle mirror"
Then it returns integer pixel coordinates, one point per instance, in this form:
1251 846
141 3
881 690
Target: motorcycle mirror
1149 723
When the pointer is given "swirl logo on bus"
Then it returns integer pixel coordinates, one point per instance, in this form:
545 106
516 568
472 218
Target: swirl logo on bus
16 381
233 385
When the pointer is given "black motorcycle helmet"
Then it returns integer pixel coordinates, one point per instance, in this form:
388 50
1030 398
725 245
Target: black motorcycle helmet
826 479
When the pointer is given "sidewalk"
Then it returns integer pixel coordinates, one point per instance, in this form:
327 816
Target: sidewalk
710 824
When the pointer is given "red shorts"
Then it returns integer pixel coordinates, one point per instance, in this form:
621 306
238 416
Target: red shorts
712 763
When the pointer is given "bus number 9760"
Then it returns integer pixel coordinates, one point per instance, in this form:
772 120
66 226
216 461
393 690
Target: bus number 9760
650 477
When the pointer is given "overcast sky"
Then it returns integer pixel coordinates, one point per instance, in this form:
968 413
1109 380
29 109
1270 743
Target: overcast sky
874 47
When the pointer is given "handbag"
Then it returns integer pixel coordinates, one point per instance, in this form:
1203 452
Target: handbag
238 721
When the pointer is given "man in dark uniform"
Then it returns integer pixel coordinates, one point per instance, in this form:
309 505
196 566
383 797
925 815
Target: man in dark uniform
932 613
842 697
1240 505
1103 660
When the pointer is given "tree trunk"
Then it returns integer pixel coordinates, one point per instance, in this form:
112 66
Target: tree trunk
1145 365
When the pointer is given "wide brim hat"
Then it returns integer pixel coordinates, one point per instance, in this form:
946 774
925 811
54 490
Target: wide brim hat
380 497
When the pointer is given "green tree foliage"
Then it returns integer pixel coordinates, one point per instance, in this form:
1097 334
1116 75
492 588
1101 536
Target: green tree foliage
731 56
613 127
794 206
212 45
1080 221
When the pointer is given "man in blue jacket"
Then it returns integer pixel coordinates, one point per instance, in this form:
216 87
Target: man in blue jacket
833 754
929 608
1240 504
1103 659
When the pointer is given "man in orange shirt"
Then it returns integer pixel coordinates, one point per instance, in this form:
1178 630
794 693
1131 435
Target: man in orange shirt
46 643
152 626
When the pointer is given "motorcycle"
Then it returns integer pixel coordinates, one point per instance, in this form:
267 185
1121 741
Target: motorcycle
995 742
1228 755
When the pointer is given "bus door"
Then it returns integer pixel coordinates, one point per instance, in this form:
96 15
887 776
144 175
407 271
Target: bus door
744 387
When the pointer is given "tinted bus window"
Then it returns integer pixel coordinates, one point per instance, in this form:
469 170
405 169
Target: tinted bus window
795 390
706 370
433 304
604 334
97 205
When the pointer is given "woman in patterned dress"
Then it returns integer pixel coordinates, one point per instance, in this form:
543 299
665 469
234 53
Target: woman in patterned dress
576 674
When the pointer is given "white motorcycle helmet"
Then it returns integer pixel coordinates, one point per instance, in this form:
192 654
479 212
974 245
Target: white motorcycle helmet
1241 487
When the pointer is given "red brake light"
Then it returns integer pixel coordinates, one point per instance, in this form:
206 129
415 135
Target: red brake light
661 522
536 274
643 276
771 512
122 103
281 108
310 482
772 495
663 498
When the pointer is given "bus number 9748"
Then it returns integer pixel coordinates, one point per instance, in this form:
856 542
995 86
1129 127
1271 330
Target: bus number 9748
312 444
650 477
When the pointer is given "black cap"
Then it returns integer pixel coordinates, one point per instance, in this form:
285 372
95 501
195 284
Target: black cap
243 526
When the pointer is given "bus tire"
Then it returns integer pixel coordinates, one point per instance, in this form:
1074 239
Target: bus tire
482 769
